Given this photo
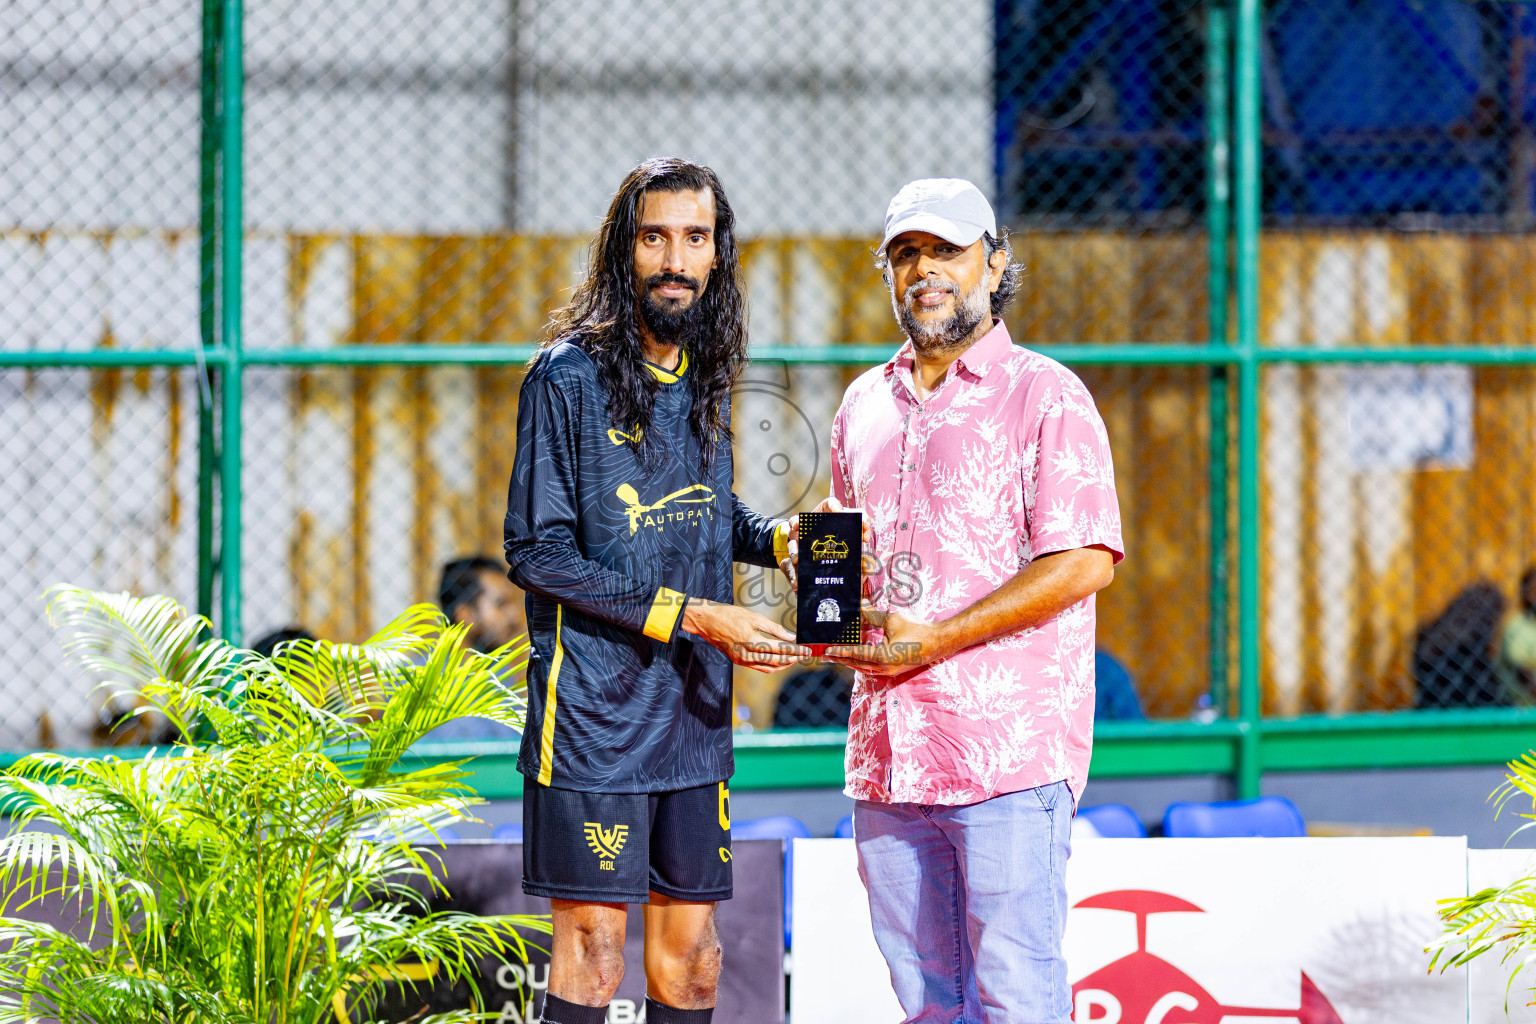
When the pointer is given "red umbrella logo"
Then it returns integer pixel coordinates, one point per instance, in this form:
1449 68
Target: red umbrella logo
1140 988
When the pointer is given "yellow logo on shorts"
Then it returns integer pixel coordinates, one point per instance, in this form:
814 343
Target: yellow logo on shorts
607 843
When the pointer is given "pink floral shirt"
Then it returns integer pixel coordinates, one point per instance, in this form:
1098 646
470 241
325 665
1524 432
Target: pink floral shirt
1006 460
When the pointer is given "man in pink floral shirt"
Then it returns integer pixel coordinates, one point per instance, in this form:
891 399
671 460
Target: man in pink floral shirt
984 474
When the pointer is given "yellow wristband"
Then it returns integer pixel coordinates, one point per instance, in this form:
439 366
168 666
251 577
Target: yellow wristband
781 541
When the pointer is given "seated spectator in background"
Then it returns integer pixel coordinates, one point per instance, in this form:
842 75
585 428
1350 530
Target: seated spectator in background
1455 661
1114 695
814 697
476 590
128 721
123 721
1519 647
267 644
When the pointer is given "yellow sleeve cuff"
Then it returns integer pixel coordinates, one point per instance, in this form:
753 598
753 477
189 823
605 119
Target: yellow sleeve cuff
781 541
665 611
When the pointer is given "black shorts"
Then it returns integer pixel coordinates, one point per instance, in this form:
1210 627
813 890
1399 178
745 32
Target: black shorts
618 847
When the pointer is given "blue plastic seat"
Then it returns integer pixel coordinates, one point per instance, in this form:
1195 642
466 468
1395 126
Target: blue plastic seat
1114 821
512 832
1272 816
844 829
778 826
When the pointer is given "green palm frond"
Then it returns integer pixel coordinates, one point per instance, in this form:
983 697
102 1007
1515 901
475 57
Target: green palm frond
40 866
139 644
455 682
264 865
1501 919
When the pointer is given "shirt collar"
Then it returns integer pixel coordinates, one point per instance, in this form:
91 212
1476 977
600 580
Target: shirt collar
670 376
991 347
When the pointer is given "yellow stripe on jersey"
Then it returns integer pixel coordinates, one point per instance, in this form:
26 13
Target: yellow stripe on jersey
664 612
547 738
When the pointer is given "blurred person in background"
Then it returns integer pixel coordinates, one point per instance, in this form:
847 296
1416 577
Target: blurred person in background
622 528
1114 695
1455 657
988 466
476 590
1519 648
268 643
120 725
126 721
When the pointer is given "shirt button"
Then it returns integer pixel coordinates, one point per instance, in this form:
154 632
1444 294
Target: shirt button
911 467
903 526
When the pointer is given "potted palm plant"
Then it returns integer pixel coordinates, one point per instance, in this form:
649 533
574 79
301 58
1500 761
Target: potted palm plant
262 870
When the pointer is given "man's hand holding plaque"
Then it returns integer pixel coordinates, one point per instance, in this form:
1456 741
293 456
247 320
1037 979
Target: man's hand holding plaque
907 644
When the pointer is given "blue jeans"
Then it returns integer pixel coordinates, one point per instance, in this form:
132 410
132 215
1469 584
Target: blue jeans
969 905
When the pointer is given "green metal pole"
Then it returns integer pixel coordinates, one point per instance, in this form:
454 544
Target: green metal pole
231 220
207 282
1246 280
1217 195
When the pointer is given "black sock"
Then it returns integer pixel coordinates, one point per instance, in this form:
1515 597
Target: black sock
558 1011
661 1013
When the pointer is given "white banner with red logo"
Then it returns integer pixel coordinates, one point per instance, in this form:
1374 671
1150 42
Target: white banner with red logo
1192 931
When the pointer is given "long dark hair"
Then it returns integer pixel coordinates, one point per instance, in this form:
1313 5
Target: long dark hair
603 315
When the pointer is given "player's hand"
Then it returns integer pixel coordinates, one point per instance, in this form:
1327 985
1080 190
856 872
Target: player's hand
909 644
744 636
870 564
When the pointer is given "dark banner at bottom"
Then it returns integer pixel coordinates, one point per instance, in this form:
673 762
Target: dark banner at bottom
487 878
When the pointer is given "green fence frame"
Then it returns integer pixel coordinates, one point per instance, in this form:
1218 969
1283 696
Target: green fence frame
1242 746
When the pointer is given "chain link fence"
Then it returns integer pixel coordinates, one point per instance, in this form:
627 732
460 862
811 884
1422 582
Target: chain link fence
429 173
1102 140
99 250
99 474
1397 195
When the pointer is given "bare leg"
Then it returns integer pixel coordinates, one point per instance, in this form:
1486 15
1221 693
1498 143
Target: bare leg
586 954
682 953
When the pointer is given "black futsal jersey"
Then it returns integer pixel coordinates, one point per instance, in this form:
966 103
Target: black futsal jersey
609 549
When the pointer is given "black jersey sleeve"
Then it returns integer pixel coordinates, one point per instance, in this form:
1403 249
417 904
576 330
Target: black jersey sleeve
540 533
756 539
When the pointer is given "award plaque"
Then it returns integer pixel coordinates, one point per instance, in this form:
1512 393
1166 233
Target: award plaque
827 568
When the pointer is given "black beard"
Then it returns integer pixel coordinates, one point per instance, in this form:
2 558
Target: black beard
668 321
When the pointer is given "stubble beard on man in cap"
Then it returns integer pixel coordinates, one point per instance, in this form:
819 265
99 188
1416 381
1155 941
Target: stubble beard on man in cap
669 321
934 340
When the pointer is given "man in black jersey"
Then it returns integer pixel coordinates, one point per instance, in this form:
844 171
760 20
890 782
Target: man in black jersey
622 527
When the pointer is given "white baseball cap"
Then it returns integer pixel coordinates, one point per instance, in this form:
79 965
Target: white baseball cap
952 208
